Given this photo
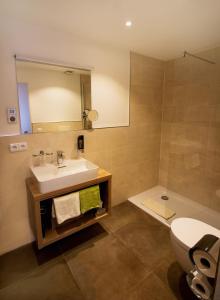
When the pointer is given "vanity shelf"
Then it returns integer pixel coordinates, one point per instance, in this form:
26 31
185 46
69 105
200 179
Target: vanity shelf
54 234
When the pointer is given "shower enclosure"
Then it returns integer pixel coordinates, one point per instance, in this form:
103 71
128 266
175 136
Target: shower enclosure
190 138
189 169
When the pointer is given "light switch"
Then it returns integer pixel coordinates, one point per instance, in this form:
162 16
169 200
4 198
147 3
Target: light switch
12 115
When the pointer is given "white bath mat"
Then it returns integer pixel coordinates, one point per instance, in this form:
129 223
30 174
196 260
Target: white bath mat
158 208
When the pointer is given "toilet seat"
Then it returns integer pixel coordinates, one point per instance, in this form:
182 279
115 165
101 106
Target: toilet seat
188 232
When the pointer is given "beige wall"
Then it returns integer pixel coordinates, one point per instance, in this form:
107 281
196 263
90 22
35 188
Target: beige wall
190 143
130 153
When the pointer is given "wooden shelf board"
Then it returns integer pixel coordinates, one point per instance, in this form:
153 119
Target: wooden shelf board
60 233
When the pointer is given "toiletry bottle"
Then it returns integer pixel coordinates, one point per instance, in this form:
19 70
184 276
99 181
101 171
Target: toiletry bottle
80 143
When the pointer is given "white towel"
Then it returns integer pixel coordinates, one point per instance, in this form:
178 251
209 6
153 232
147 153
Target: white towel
66 207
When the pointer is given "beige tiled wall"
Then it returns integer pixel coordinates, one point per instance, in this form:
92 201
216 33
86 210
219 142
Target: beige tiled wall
190 143
130 153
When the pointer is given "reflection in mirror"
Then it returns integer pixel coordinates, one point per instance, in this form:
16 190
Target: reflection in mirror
89 116
52 98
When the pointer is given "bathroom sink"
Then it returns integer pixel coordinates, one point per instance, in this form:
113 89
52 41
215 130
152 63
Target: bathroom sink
51 177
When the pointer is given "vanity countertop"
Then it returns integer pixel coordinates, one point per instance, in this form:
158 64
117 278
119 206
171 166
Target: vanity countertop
32 186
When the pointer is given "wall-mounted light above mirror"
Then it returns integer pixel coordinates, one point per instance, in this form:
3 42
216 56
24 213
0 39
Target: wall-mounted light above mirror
52 98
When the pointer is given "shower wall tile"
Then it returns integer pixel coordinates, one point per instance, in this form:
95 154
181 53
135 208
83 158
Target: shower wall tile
130 153
190 141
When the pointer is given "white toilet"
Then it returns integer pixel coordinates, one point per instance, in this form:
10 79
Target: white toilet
185 233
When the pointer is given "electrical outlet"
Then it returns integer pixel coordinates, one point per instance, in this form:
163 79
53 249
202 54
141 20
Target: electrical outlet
16 147
23 146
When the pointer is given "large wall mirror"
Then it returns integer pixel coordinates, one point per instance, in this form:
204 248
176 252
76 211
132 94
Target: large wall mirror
53 98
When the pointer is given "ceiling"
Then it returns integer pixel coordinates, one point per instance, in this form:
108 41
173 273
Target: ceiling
161 28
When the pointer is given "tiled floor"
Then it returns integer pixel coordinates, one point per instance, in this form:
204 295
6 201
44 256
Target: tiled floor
128 257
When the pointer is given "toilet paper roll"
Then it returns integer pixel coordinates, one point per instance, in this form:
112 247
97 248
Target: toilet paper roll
199 284
206 261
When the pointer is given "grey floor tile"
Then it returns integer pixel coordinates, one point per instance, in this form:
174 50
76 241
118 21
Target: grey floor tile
174 277
82 239
48 253
15 264
151 243
152 288
52 281
126 213
133 260
107 270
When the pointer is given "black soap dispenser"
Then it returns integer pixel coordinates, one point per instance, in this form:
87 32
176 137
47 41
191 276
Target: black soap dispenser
80 143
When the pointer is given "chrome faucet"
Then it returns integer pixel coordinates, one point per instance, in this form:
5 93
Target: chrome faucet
60 157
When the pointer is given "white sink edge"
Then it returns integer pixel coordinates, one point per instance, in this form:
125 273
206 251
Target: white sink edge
64 180
96 168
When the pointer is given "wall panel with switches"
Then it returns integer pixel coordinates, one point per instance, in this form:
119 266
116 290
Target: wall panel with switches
12 115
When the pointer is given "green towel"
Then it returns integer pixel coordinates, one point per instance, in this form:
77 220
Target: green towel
90 198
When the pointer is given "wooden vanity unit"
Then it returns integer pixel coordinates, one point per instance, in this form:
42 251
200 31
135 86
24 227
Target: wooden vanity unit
55 233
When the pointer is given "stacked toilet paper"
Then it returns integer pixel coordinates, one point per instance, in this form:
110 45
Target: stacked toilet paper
206 261
199 284
204 256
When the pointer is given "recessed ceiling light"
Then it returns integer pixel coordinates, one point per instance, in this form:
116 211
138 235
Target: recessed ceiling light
128 24
68 72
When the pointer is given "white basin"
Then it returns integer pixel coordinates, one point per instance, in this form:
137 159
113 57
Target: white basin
73 171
